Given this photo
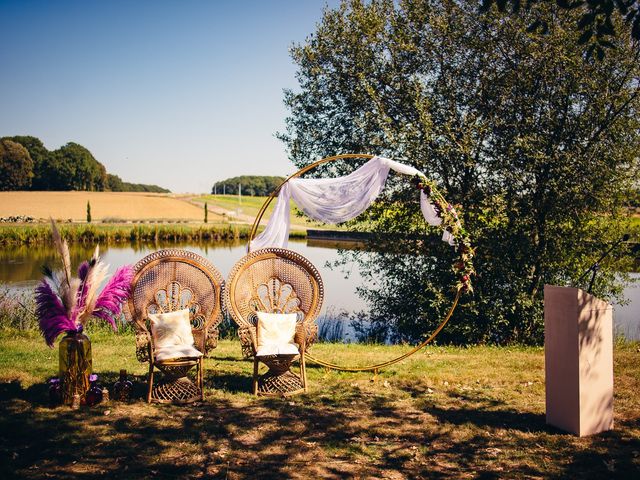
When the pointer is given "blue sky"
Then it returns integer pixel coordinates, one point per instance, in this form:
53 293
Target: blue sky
176 93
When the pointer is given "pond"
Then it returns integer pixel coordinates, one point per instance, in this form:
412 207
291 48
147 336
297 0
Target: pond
20 268
627 317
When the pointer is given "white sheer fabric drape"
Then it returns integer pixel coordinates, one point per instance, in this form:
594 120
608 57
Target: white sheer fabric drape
336 200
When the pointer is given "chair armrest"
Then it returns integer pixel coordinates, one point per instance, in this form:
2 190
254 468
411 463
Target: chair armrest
211 340
144 345
199 340
300 337
249 341
305 335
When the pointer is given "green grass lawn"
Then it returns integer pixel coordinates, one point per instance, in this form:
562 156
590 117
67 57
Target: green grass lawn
444 413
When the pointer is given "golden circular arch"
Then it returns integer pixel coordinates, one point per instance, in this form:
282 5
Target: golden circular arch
378 366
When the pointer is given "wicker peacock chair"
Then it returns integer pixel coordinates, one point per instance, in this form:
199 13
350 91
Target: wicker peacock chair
275 280
168 281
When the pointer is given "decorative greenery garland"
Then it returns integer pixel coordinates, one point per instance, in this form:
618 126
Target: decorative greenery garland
463 265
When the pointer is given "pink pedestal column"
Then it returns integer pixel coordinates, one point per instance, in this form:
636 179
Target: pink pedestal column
578 347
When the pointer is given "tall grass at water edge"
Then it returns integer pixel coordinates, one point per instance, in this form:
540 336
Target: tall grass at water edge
85 233
17 313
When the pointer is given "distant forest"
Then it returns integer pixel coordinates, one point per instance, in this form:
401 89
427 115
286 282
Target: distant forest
25 164
252 185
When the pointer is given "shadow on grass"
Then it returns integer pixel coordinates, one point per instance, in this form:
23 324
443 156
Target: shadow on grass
489 414
230 382
339 431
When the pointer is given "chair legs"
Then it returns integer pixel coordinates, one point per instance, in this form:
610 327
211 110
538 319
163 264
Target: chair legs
175 386
201 379
303 372
279 380
255 375
255 380
150 382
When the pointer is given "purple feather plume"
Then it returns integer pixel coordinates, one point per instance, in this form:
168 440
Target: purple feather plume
83 269
51 313
109 302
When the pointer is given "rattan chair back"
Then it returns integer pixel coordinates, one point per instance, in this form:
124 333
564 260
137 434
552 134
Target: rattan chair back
170 280
274 280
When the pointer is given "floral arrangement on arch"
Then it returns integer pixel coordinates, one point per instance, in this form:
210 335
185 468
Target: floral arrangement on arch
65 303
463 266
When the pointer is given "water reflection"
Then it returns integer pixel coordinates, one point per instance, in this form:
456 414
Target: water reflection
20 267
20 264
627 317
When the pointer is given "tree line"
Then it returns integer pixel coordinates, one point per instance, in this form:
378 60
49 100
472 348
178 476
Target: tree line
26 164
252 185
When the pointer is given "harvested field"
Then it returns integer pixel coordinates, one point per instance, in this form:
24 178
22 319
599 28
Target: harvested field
111 206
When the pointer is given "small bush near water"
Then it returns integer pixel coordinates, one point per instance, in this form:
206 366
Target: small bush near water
17 312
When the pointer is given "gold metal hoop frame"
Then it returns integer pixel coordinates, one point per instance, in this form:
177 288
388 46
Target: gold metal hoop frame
466 253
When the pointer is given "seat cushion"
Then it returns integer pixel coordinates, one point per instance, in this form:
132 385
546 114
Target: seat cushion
275 334
172 336
176 351
286 349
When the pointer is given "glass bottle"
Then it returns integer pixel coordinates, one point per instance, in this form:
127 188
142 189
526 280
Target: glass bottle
94 395
55 392
105 395
123 388
75 365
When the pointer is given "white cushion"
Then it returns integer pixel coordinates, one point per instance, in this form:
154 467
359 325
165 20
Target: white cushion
275 334
176 351
286 349
172 337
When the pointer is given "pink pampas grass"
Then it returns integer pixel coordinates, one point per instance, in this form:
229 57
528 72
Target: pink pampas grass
65 304
114 294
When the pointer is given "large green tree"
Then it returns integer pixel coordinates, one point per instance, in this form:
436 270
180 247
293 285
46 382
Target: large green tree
16 166
72 167
77 169
42 158
596 19
535 142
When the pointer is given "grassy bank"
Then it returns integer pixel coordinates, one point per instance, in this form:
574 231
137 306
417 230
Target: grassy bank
106 233
444 413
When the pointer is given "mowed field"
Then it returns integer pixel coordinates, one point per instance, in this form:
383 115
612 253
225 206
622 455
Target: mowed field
247 208
112 206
